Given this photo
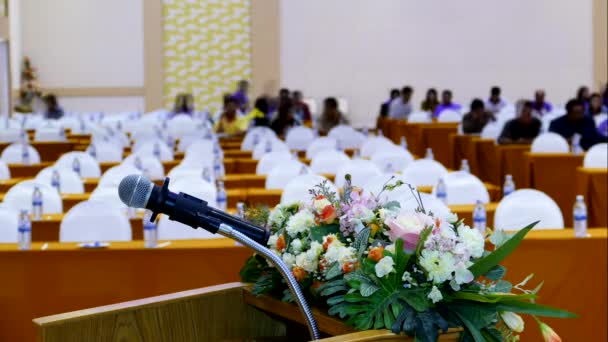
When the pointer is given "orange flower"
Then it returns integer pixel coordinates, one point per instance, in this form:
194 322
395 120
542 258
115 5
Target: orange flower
281 243
319 197
349 267
328 214
376 253
322 265
548 334
328 240
316 284
298 273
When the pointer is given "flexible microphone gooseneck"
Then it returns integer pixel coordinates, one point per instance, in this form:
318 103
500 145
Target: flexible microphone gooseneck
137 191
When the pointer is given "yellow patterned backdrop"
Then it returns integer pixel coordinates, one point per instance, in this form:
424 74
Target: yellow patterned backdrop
206 49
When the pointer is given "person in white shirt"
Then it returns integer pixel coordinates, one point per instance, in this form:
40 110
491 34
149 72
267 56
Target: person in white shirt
495 103
401 107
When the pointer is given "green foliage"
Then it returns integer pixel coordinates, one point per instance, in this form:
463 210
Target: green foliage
496 273
252 270
323 189
361 241
319 232
258 215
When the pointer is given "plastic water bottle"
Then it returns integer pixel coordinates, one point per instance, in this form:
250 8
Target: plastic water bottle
150 231
206 175
429 154
138 164
37 203
240 210
156 150
76 165
216 148
268 147
580 217
119 126
25 154
164 125
56 181
576 145
218 168
23 136
303 170
479 217
83 126
464 166
403 143
365 132
24 230
509 186
339 145
441 191
93 151
256 140
222 198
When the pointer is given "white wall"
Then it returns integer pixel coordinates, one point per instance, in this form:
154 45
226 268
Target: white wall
360 48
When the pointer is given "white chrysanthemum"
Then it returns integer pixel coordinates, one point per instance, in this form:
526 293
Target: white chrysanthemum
439 266
315 248
277 216
332 254
472 240
296 246
308 260
385 266
390 248
320 204
289 259
272 241
347 255
300 222
452 218
435 295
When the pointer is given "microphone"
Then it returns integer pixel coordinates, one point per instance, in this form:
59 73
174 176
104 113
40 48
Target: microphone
138 191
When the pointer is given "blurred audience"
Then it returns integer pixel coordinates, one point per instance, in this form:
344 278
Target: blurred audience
474 121
524 128
53 110
331 116
260 114
300 108
595 105
240 95
495 103
400 108
284 119
430 102
184 104
540 106
230 123
446 103
576 122
225 99
583 95
384 108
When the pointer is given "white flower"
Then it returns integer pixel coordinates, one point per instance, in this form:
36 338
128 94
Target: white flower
513 321
435 295
452 218
308 261
439 266
272 241
472 241
386 213
300 222
277 216
390 248
346 255
320 204
384 266
315 248
407 277
289 259
296 246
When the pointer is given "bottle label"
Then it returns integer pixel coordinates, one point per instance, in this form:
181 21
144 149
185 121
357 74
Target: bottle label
580 217
24 230
149 227
479 219
37 202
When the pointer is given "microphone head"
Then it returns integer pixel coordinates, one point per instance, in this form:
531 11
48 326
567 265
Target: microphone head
135 190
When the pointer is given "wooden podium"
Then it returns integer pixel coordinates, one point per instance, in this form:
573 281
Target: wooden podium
227 312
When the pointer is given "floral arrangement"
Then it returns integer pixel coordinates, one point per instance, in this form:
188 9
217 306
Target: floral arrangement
378 266
30 89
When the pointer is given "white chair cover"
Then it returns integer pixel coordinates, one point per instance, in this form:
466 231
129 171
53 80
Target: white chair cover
393 159
94 220
50 134
492 130
423 172
19 197
550 143
464 188
5 172
278 177
449 116
272 160
89 167
374 144
112 177
254 133
69 181
597 156
360 170
147 149
525 206
187 140
182 171
347 137
328 161
109 195
298 138
276 146
181 125
11 135
12 154
343 105
375 185
320 144
297 190
419 117
107 152
152 165
9 223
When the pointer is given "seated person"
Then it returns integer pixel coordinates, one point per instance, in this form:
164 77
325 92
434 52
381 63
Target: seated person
595 105
331 116
300 108
430 102
242 87
225 99
230 123
184 104
539 104
446 103
475 120
386 104
575 121
495 103
400 108
53 111
260 114
284 119
524 128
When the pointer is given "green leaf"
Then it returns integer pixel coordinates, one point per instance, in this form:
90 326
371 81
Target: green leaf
534 309
335 300
368 289
424 234
416 298
319 232
333 271
537 289
492 334
392 205
470 327
496 273
252 270
499 237
332 290
491 297
503 287
361 241
485 264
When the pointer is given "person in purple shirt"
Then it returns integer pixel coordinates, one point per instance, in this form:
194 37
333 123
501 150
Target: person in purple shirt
386 104
576 122
241 95
539 105
446 103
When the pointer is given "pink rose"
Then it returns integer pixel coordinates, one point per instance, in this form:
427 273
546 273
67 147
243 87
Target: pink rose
407 227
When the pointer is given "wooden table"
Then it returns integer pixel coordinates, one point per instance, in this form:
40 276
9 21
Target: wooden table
49 150
593 185
554 174
47 229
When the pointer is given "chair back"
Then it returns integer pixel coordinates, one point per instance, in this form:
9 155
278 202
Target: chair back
298 138
373 144
392 159
94 220
297 190
328 161
49 134
278 177
106 152
112 177
419 117
320 144
181 125
360 171
13 154
89 166
525 206
151 165
597 156
449 116
550 143
69 181
424 172
9 223
256 134
276 145
11 135
272 160
5 172
19 197
464 188
147 149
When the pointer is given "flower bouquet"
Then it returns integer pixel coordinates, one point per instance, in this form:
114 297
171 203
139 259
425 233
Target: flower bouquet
378 266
